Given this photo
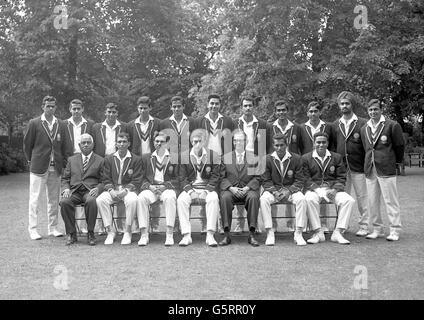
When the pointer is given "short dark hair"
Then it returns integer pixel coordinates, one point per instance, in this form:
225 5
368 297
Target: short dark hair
281 102
111 105
75 101
247 98
144 100
280 136
177 99
48 99
123 135
320 134
314 104
373 102
214 96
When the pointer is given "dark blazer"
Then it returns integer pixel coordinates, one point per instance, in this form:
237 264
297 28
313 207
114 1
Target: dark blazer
307 139
350 146
210 172
223 123
333 174
131 178
73 176
293 136
292 178
171 178
236 176
179 142
260 125
136 135
38 144
99 136
386 149
86 127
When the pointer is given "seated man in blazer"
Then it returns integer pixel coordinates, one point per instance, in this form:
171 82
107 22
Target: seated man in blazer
121 178
160 182
240 183
200 180
283 181
325 176
81 184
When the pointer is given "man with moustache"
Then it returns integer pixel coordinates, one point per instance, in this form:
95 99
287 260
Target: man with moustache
46 153
122 174
347 141
81 185
160 182
384 149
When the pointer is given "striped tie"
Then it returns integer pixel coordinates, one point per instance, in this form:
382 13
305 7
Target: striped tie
85 164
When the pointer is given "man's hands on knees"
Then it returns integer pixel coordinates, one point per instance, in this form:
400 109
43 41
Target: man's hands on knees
94 192
66 193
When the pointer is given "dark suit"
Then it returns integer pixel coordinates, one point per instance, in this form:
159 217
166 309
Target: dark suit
237 176
80 183
99 136
86 127
266 139
136 135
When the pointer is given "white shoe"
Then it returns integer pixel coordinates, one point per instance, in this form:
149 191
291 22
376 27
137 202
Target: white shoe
56 233
298 239
337 237
169 239
185 241
210 240
144 240
362 232
317 238
270 239
375 234
110 237
34 235
126 239
393 236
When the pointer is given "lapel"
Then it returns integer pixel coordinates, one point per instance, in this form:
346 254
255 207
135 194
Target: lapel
145 135
70 131
326 162
84 128
308 130
255 130
373 140
277 165
126 165
53 134
351 127
90 162
103 133
197 167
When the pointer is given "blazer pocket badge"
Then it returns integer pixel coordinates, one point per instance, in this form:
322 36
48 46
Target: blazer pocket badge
294 138
356 135
171 169
208 169
58 137
332 169
290 173
130 172
384 139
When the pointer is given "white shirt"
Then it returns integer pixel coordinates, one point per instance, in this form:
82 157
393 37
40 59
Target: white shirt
214 141
50 125
182 122
374 127
288 126
315 129
110 138
159 174
77 133
198 161
322 160
248 130
240 157
121 163
348 122
145 145
286 156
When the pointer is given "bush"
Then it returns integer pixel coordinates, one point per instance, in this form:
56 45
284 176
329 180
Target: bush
11 160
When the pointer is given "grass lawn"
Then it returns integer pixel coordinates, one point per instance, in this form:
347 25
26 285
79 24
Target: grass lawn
35 269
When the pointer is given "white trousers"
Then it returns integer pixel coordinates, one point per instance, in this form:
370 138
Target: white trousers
104 201
267 198
40 185
357 182
212 211
385 187
343 201
147 197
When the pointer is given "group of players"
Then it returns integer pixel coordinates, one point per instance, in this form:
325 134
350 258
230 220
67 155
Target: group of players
216 161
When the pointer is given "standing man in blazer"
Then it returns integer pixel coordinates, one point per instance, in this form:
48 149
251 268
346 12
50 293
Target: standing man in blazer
160 182
325 176
122 174
240 183
46 153
283 181
81 184
105 133
384 148
347 141
143 129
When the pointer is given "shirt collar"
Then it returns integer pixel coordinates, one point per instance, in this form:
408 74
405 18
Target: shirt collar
173 118
117 123
209 118
354 117
138 119
88 156
128 155
43 118
370 124
239 153
249 123
289 125
74 124
315 154
308 123
164 155
195 155
286 156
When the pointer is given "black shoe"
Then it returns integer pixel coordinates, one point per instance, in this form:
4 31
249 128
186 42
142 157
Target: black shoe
71 238
91 238
251 240
226 241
